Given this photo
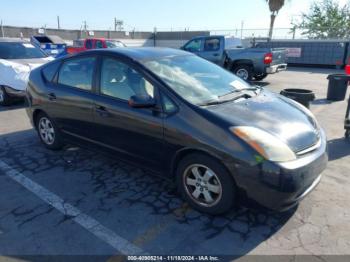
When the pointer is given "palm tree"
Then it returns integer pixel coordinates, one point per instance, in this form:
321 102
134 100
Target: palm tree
275 6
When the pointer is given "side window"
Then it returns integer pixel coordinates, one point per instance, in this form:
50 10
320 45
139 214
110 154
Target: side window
88 44
121 81
99 44
77 72
194 45
212 44
168 104
50 70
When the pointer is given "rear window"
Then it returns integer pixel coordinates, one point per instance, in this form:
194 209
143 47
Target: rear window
50 70
19 50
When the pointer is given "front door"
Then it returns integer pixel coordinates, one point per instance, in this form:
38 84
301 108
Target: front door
212 50
134 132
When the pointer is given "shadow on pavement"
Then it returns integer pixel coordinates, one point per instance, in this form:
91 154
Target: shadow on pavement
14 106
338 148
117 194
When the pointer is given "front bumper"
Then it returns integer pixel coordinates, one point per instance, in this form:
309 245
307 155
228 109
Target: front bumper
276 68
280 186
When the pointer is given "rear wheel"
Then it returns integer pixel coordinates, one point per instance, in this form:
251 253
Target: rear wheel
48 132
243 71
205 184
5 99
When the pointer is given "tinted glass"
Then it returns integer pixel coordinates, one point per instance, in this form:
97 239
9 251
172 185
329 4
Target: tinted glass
168 104
212 44
88 44
194 45
121 81
99 44
195 79
17 50
50 70
77 73
114 44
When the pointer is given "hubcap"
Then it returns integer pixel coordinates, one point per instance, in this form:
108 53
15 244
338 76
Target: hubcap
46 131
242 73
1 95
202 185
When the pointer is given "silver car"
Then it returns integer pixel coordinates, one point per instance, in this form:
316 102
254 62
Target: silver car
17 59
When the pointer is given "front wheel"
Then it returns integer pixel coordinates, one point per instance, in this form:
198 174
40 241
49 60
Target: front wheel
5 99
49 133
205 184
244 72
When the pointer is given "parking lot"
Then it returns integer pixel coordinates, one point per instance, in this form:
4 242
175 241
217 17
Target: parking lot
80 202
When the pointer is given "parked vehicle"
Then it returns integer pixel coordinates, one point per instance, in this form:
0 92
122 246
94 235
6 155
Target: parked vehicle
52 45
93 43
17 59
185 118
247 63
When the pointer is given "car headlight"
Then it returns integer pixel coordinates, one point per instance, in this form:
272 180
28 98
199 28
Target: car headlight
267 145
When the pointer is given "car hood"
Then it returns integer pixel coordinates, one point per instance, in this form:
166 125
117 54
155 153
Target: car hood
275 114
31 63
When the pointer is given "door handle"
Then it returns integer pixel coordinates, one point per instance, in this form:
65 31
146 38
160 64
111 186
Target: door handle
216 54
102 111
52 96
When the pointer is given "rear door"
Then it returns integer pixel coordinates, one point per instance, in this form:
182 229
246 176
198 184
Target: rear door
70 96
136 133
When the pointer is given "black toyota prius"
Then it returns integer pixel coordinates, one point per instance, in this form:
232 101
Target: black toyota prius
185 118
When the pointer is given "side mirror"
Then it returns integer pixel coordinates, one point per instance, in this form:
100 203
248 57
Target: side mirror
142 101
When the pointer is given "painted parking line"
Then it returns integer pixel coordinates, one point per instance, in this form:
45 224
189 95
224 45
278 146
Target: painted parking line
122 245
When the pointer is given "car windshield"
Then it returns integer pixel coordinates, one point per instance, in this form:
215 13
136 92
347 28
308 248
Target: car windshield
114 44
195 79
19 50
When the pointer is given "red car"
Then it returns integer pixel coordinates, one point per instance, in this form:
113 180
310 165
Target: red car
93 43
347 69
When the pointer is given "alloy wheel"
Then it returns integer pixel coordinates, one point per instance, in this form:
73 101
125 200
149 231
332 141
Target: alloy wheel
46 131
202 185
242 73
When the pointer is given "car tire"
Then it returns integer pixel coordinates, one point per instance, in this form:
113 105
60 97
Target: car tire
205 184
260 77
48 132
243 71
5 99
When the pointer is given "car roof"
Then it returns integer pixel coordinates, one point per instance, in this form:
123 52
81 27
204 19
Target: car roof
144 53
12 40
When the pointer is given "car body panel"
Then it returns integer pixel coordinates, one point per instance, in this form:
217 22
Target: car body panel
157 139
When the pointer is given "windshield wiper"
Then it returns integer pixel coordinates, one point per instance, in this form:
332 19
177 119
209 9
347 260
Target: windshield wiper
253 88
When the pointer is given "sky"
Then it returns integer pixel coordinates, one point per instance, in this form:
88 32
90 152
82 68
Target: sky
147 14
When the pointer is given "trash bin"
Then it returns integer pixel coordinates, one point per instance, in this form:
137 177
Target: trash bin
303 96
337 85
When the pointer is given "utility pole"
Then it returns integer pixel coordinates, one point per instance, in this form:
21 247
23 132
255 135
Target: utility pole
118 24
2 30
242 25
58 22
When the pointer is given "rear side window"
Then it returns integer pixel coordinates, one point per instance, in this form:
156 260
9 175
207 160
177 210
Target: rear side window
50 70
77 72
99 44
